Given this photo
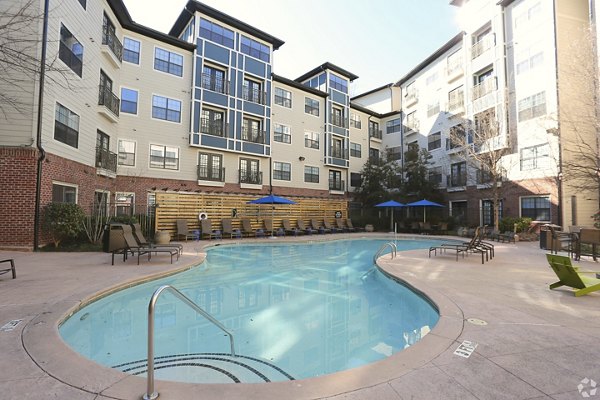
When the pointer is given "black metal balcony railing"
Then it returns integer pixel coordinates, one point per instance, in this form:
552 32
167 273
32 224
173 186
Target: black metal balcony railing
106 159
340 153
215 83
69 58
455 180
336 184
114 44
212 128
483 177
253 135
375 133
109 100
254 95
254 178
211 174
338 120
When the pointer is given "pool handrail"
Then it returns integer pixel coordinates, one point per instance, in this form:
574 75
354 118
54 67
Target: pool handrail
392 245
150 393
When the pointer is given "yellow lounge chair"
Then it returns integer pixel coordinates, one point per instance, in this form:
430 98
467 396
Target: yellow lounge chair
569 276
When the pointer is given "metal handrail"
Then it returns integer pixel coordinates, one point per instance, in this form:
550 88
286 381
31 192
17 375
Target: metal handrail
150 393
392 245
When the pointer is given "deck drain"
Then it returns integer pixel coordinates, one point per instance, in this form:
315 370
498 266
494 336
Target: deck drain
476 321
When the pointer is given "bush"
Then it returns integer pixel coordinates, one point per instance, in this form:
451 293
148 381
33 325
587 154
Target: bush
124 219
62 221
508 224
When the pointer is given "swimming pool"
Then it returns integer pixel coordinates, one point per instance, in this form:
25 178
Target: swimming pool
295 310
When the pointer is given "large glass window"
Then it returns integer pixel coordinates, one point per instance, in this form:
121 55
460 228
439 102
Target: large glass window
355 150
532 106
250 171
529 59
536 208
66 126
355 179
311 140
70 51
212 122
251 130
216 33
166 61
282 171
435 175
210 167
393 126
281 133
129 101
126 152
335 181
283 97
255 49
458 174
131 50
337 117
487 211
311 174
253 91
434 141
535 157
338 83
311 106
214 79
165 108
63 193
165 157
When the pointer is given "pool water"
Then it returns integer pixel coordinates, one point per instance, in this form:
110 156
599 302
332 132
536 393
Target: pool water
296 311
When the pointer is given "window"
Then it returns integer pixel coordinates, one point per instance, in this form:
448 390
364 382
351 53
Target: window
66 126
393 126
536 208
374 131
412 123
126 153
129 101
487 211
131 51
532 107
165 61
459 137
527 16
458 174
212 122
70 51
434 141
311 174
281 133
188 33
166 109
355 120
283 97
214 79
282 171
456 99
374 154
528 59
255 49
110 39
251 130
216 33
433 109
124 204
338 83
336 148
454 62
165 157
210 167
83 3
249 171
355 150
431 78
252 91
311 106
103 155
311 140
395 153
410 92
335 181
355 179
535 157
63 193
435 175
337 117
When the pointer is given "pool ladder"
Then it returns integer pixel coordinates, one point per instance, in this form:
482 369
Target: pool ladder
150 393
391 245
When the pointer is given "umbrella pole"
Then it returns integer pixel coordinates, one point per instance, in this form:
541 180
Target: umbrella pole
391 219
424 214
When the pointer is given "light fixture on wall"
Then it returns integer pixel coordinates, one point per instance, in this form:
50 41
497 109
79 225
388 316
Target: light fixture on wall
301 158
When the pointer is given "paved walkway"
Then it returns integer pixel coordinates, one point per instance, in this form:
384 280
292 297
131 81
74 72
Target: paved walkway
533 344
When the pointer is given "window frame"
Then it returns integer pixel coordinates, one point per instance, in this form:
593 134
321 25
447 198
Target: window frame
69 132
119 152
223 40
547 198
66 185
164 157
431 143
281 174
395 125
168 62
123 101
211 121
309 106
68 47
211 168
283 134
127 50
309 172
255 49
534 108
167 109
309 142
283 99
538 160
355 150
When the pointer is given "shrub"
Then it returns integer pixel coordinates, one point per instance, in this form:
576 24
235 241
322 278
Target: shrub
596 218
62 221
508 224
124 219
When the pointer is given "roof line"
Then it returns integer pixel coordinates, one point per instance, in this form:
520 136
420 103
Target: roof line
323 67
358 96
298 85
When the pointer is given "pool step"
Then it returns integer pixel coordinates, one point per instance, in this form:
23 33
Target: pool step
209 368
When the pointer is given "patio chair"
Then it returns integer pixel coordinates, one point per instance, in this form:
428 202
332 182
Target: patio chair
569 276
288 228
340 224
11 269
229 230
425 228
304 228
476 245
415 227
318 227
560 241
183 230
272 231
134 248
141 239
332 228
352 227
207 230
248 230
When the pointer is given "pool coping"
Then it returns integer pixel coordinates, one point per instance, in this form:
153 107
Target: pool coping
44 345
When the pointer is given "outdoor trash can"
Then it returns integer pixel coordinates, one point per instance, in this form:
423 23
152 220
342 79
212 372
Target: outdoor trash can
113 238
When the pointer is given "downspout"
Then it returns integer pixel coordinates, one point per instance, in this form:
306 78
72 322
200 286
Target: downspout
42 155
558 133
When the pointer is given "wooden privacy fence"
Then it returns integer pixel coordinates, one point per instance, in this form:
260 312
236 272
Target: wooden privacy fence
173 206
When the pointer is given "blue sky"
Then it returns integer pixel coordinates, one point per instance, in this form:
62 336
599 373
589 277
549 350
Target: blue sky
378 40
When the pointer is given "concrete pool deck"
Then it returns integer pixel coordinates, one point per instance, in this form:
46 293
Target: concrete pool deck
535 343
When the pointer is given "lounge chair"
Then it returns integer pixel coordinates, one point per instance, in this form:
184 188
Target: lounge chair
352 227
476 245
183 230
304 228
247 229
270 230
11 269
133 247
318 227
288 228
425 228
139 237
228 229
332 228
569 276
560 241
340 224
208 231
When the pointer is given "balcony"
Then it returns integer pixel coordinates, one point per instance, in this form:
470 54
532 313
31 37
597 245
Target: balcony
411 98
210 176
106 162
486 87
339 120
412 126
336 185
213 128
112 47
454 71
109 103
456 105
340 153
215 84
250 178
486 43
375 134
253 135
254 95
456 180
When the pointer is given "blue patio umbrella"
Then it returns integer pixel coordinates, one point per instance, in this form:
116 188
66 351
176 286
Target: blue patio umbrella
424 203
391 204
272 199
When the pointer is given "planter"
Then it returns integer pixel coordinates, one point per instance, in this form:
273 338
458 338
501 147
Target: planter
162 237
369 228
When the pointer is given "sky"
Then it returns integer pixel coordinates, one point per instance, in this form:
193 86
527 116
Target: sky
378 40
